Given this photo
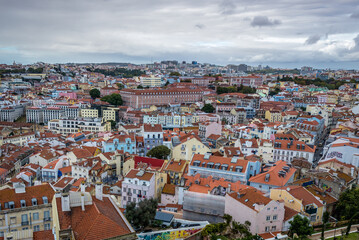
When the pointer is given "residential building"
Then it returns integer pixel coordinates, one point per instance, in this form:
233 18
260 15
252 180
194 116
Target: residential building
207 128
286 150
137 185
300 200
25 210
152 136
184 147
264 214
68 126
151 81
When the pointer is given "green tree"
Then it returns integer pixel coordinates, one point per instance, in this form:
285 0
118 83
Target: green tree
160 152
139 87
142 214
120 86
113 99
208 108
348 207
95 93
113 124
175 74
300 226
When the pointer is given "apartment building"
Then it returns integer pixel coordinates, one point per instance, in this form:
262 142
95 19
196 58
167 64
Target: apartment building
89 113
151 81
25 210
286 150
11 113
152 136
137 185
147 97
68 126
232 169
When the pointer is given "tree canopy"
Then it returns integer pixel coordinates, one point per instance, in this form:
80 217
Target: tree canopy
160 152
208 108
120 86
175 74
95 93
143 214
113 99
330 83
121 72
301 227
233 89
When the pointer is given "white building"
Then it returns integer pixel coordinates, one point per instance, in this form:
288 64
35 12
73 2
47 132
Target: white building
343 149
67 126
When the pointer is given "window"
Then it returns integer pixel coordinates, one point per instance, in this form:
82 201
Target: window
34 201
268 218
44 199
23 203
267 229
275 217
13 220
1 222
268 209
35 216
47 226
36 228
124 198
24 219
274 228
275 208
1 234
134 191
46 215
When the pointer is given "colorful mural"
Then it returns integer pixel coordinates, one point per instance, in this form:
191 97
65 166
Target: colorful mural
170 235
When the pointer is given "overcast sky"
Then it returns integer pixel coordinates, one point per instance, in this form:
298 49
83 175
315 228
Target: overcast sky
287 33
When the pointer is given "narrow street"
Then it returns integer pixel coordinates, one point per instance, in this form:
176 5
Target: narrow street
330 233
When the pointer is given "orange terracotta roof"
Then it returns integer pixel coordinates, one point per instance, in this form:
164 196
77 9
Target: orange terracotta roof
145 177
303 194
250 197
169 189
274 178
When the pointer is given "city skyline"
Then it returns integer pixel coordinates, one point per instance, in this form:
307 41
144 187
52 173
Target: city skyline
289 34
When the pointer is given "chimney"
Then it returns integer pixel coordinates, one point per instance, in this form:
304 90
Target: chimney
65 202
82 201
99 191
83 187
352 172
229 188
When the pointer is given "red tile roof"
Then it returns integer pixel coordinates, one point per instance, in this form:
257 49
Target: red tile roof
153 163
43 235
250 197
145 177
303 194
274 178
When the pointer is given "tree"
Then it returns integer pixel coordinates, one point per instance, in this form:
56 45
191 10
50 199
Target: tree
120 86
208 108
95 93
139 87
175 74
113 124
143 214
160 152
325 221
300 226
113 99
348 207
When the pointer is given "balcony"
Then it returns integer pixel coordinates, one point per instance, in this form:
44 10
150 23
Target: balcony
24 223
47 219
311 211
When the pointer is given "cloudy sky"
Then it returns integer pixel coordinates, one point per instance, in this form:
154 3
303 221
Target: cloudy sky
287 33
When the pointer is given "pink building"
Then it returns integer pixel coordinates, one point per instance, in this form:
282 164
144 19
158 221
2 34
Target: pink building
108 91
264 214
145 98
71 95
208 128
249 81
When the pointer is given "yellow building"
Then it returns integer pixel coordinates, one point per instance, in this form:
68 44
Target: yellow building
188 145
151 81
301 200
273 116
89 113
25 210
108 115
175 170
332 98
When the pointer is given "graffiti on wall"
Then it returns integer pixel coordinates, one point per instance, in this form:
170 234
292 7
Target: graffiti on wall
326 188
335 154
170 235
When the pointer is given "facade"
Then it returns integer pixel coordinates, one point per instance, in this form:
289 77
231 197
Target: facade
152 136
345 150
151 81
187 146
264 214
89 113
286 150
137 185
146 98
231 169
68 126
125 143
25 210
12 113
207 128
300 200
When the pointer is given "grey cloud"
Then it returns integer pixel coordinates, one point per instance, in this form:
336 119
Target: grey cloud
356 41
264 21
355 15
200 26
227 7
312 39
